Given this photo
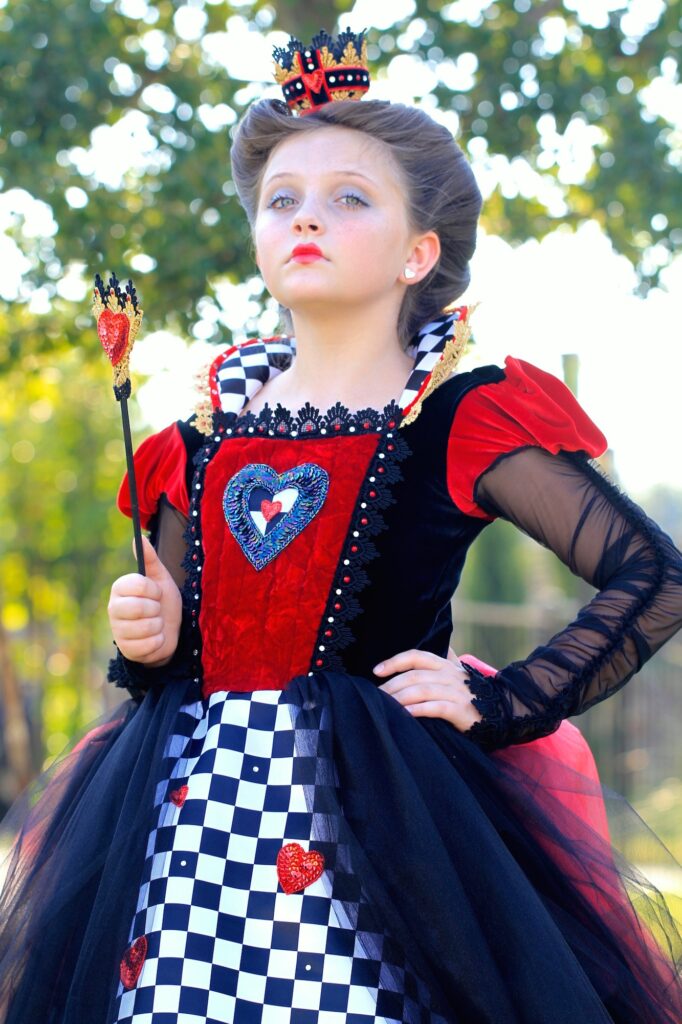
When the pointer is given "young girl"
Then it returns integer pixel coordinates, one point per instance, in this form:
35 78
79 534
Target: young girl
307 812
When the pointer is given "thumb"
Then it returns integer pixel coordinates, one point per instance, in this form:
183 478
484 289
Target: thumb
153 566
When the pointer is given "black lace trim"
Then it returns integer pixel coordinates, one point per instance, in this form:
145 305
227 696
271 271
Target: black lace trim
497 727
358 549
193 561
308 421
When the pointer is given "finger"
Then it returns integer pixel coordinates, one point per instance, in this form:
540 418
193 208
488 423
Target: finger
420 692
135 585
133 608
406 660
139 650
419 677
461 716
139 629
153 566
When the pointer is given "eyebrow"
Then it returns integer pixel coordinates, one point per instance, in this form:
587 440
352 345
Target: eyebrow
340 174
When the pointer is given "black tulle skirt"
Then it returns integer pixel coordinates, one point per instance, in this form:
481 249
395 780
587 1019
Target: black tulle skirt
509 903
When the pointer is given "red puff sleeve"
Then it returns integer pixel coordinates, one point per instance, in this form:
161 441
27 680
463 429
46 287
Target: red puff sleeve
528 408
160 465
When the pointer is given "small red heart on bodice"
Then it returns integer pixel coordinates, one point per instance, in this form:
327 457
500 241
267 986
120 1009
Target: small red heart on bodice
132 962
113 330
298 868
178 795
314 80
270 509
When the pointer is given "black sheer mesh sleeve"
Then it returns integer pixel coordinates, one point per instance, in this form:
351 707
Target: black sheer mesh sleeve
564 502
167 531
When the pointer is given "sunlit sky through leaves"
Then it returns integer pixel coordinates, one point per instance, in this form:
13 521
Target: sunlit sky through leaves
566 294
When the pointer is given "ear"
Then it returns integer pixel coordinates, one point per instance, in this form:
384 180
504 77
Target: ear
423 257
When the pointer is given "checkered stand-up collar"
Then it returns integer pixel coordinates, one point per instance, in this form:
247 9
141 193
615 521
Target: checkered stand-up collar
242 370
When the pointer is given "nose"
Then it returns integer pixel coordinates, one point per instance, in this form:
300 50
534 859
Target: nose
307 219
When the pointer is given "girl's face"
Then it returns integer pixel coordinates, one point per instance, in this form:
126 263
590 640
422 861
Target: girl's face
339 190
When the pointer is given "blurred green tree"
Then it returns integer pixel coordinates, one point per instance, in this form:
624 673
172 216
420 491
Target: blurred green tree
556 102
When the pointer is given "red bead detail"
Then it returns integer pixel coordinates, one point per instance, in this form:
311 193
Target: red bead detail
319 662
327 632
391 447
298 868
372 494
221 430
195 558
178 796
337 607
367 424
380 469
354 548
133 961
391 423
364 521
346 579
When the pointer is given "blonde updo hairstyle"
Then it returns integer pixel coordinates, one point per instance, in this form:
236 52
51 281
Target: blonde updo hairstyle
442 194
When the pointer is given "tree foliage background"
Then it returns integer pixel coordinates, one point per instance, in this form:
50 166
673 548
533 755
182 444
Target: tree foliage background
523 83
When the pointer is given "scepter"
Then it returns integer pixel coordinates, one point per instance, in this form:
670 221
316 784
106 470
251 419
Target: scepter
118 321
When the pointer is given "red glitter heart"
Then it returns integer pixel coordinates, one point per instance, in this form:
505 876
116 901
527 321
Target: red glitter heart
298 868
178 795
113 330
133 959
270 509
315 80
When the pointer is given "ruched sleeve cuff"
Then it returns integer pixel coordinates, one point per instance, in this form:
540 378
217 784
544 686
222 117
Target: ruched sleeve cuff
528 408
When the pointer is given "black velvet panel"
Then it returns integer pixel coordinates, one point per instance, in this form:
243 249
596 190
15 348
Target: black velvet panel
422 549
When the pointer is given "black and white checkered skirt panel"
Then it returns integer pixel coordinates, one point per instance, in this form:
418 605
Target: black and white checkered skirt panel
225 943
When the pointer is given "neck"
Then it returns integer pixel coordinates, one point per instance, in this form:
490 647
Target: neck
355 358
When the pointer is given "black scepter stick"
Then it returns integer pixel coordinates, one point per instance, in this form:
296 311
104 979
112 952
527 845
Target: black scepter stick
118 321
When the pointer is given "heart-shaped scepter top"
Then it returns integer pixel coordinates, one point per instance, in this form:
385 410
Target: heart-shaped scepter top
118 321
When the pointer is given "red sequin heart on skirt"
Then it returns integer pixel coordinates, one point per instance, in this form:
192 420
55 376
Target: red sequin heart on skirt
113 330
298 868
132 962
178 795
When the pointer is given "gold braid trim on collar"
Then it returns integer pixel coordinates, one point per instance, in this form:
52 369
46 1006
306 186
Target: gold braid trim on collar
453 350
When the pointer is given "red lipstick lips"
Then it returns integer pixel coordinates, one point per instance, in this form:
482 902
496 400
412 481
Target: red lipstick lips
306 253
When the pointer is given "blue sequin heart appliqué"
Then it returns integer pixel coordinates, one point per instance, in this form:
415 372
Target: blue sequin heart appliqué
265 510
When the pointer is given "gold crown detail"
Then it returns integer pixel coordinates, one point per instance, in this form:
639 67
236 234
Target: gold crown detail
325 71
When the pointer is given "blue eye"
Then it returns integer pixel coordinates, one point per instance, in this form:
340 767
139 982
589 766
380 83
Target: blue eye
357 204
354 206
276 199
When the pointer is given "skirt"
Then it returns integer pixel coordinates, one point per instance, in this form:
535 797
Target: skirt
223 940
317 851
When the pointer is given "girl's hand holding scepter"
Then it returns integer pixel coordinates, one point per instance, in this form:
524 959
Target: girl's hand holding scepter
145 608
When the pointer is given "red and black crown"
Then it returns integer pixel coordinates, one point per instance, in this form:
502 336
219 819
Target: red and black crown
326 70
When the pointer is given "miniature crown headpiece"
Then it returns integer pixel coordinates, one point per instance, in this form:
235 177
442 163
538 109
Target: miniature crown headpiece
326 70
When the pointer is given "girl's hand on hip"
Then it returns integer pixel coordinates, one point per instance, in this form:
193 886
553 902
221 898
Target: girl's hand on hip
145 612
430 686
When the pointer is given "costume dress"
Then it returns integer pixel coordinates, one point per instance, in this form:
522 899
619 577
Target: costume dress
260 834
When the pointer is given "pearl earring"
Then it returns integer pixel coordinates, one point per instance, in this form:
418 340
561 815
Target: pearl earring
409 273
